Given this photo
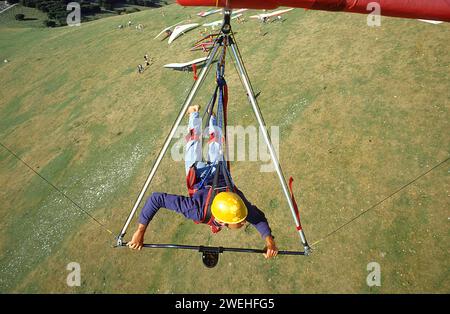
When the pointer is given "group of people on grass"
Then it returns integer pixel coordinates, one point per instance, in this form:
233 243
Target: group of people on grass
139 27
147 63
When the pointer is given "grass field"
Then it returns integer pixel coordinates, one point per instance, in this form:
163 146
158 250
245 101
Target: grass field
362 111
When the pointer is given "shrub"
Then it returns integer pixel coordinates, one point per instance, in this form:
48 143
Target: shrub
28 3
62 21
57 13
20 17
95 8
90 9
132 10
107 4
49 23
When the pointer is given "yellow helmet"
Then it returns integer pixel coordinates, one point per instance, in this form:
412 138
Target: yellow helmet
229 208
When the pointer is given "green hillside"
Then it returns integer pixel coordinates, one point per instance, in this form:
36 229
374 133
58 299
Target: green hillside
33 17
362 111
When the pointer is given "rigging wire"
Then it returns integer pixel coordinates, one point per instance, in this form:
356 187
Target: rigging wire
235 66
243 64
382 201
57 189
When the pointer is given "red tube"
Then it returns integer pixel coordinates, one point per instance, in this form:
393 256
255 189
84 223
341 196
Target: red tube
414 9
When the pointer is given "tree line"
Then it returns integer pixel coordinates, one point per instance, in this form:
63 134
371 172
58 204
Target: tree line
57 13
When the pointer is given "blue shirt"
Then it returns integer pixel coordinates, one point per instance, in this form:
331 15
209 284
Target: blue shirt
193 208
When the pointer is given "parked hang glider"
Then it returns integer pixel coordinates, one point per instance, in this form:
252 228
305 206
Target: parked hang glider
168 29
218 23
239 11
208 37
205 44
180 30
208 13
186 65
265 16
431 22
436 10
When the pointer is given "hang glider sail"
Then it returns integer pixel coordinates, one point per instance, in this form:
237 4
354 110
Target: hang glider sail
272 14
180 30
432 22
436 10
167 29
219 22
186 65
208 13
209 37
239 11
204 46
205 43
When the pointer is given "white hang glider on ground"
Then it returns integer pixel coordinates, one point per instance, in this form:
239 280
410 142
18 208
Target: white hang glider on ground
180 30
219 22
186 65
432 22
168 29
7 7
207 13
238 11
264 17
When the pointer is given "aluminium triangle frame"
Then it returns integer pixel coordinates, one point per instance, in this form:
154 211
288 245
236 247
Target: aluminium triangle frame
225 38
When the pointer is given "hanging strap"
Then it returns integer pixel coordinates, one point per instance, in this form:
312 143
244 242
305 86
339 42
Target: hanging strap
226 176
297 213
210 107
206 176
211 194
220 169
223 105
225 124
221 96
228 179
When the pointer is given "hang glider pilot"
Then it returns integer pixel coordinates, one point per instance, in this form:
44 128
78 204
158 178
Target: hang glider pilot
226 209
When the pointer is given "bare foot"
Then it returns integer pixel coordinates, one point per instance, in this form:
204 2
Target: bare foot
192 109
211 113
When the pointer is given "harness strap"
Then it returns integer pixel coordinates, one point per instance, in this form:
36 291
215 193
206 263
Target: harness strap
192 136
190 181
223 105
228 179
213 191
206 176
210 107
222 167
207 216
213 138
